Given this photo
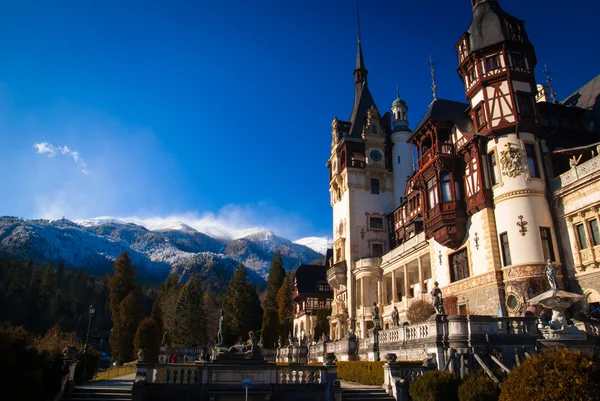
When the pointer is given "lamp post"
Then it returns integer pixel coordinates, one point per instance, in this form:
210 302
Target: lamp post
87 339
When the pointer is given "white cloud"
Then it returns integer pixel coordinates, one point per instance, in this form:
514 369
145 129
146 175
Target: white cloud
230 222
51 150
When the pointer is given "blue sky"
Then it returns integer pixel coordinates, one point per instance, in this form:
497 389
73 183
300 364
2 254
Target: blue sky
220 111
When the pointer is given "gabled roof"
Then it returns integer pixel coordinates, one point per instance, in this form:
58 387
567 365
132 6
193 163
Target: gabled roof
585 97
442 109
488 27
363 101
308 276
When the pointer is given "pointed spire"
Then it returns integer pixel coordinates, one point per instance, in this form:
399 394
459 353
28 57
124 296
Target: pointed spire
397 92
550 85
432 64
360 73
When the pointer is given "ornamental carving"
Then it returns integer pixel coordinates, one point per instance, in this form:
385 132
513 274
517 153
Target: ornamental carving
473 283
522 226
511 161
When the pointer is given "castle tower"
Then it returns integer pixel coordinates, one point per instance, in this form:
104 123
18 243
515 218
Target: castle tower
361 190
496 63
403 152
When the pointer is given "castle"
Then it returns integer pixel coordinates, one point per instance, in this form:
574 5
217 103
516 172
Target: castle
478 196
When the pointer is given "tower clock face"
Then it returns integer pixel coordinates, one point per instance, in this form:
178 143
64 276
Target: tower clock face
376 155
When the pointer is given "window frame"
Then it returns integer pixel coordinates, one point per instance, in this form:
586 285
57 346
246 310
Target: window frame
448 184
532 159
432 193
479 116
371 227
595 235
373 244
547 232
581 235
495 58
458 273
375 186
525 99
505 249
494 168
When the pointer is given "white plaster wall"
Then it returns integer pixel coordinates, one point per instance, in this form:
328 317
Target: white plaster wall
535 210
478 254
521 86
475 100
405 152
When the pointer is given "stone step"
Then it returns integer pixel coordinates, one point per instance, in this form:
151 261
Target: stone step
358 394
103 389
109 395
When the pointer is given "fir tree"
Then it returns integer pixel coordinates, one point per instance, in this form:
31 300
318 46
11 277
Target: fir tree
147 338
125 308
274 281
270 327
243 312
190 319
167 303
322 324
285 306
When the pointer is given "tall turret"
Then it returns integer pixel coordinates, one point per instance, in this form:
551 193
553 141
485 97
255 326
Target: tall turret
402 152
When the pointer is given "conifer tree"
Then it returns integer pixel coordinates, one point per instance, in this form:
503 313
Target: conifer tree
242 306
270 327
274 281
125 308
285 306
190 319
322 324
147 338
167 304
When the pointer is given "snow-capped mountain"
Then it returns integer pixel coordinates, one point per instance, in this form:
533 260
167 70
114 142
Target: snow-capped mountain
94 244
317 244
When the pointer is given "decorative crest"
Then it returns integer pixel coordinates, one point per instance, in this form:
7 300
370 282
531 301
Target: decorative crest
432 64
511 161
550 85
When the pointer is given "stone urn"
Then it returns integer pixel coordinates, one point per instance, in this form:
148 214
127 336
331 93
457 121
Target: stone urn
390 358
142 355
329 358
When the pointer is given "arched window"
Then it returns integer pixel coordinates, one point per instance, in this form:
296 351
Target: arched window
446 187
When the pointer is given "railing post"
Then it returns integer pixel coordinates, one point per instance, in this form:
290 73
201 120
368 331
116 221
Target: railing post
139 384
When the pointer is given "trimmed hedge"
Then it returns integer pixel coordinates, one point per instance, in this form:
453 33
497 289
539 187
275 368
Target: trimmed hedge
553 374
478 387
435 386
368 373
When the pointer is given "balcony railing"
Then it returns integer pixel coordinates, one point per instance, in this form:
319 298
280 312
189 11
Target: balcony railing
583 170
356 164
404 247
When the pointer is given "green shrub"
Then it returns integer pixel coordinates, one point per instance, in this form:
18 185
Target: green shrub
368 373
553 374
419 311
478 387
435 386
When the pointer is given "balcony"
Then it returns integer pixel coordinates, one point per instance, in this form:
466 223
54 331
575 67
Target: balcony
356 164
442 149
336 275
447 223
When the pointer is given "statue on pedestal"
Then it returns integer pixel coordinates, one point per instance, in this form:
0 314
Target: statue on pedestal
551 275
438 301
375 313
279 342
221 328
395 317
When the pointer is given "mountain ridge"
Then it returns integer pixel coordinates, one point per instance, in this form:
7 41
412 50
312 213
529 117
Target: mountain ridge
94 244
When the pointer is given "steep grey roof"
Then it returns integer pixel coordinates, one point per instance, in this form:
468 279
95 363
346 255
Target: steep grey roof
442 109
585 97
363 100
360 61
308 276
488 27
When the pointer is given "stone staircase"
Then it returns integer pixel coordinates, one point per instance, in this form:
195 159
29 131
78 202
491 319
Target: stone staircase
365 393
99 393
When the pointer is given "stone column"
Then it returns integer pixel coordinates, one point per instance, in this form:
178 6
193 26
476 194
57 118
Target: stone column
420 276
588 232
406 285
379 293
363 299
394 289
574 241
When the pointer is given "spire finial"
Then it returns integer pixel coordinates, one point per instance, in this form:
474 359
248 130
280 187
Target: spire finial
432 64
549 81
397 91
358 20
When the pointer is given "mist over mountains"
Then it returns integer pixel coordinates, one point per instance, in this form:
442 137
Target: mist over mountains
95 244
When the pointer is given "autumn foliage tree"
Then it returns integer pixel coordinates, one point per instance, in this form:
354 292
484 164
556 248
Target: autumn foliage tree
419 311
